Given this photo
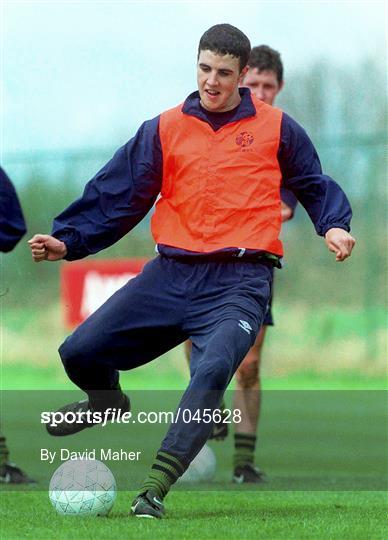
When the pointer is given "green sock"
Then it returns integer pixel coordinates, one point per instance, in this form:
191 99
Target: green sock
165 471
244 449
4 452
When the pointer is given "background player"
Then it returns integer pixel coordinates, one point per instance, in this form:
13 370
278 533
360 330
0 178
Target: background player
12 229
265 80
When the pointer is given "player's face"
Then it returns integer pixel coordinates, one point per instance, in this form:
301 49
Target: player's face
263 84
218 77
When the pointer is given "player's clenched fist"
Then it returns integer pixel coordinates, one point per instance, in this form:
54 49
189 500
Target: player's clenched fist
340 242
47 248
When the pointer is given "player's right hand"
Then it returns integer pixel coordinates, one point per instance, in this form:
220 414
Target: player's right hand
47 248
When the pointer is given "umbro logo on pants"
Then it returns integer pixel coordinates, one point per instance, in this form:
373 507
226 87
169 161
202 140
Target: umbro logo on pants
245 326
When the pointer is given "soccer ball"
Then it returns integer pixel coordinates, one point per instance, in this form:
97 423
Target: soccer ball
202 468
82 487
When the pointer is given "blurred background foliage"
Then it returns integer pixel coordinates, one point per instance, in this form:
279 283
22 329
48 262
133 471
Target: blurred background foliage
329 316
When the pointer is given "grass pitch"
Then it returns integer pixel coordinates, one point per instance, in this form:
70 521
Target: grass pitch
198 515
325 452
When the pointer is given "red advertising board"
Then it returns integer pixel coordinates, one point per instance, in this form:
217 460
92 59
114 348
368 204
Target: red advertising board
86 285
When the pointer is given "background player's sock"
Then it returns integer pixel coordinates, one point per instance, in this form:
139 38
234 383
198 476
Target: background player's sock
244 449
4 452
165 471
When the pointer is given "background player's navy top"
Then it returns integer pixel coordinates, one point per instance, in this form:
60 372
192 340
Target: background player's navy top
12 224
125 189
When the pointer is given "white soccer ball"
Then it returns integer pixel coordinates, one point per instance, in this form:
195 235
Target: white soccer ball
202 468
83 487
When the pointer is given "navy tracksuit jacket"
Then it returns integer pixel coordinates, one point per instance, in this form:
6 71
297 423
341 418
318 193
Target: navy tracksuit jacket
12 224
217 300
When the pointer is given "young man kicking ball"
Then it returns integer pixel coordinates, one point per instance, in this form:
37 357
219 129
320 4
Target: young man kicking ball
216 161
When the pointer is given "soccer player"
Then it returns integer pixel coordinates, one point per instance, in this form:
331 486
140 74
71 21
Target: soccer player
12 229
216 161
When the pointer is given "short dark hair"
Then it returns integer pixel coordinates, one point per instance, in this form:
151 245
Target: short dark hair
264 58
226 39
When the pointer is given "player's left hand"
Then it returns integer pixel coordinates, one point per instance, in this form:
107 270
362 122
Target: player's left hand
340 242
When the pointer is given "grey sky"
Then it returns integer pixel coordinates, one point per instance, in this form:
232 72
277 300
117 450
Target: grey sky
80 74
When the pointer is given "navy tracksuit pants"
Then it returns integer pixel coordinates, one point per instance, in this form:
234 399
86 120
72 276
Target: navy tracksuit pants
220 306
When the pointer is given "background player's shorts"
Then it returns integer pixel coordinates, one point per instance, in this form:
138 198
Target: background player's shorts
268 319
